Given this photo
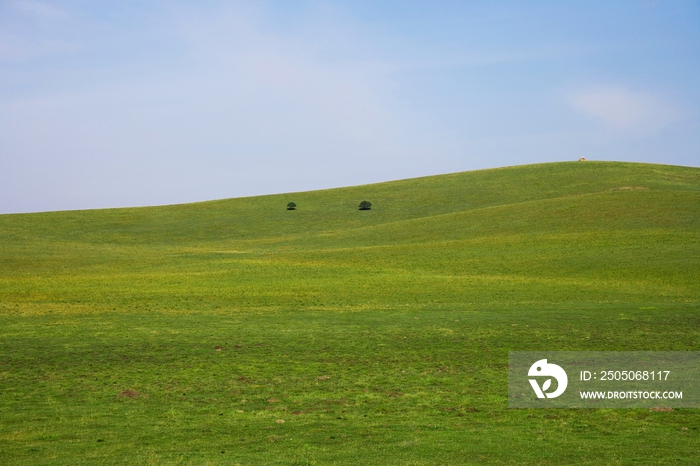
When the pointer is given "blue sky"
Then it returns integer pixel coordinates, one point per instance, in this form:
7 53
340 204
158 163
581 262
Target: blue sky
129 103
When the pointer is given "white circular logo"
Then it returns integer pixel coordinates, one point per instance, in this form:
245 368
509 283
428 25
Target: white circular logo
543 369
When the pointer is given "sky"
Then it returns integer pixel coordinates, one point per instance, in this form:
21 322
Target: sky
133 103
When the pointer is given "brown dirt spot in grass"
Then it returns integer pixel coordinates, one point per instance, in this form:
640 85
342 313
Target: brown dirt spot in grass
273 400
296 412
130 394
661 409
323 377
217 348
468 409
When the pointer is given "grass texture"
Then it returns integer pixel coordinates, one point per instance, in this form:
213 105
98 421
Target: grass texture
238 332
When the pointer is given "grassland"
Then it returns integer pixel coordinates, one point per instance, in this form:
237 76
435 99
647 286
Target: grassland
182 334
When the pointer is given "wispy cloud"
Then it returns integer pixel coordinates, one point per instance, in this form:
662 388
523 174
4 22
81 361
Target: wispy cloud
18 48
31 30
623 110
39 9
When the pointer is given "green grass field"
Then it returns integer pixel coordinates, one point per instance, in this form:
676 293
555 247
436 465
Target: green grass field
185 334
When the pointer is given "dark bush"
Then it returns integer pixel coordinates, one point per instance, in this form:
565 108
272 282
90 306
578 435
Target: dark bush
365 205
291 206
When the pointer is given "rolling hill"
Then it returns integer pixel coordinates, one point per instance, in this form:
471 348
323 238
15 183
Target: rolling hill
160 334
555 233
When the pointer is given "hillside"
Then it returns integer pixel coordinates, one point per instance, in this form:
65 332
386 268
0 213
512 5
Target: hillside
237 332
562 232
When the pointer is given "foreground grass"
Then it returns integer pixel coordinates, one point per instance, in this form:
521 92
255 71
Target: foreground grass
182 334
395 387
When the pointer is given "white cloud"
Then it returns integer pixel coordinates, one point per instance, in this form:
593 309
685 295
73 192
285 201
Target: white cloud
32 30
626 111
39 9
18 48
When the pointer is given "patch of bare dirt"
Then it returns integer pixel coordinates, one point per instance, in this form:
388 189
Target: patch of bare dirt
130 394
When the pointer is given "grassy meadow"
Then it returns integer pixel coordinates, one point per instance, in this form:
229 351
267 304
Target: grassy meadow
237 332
